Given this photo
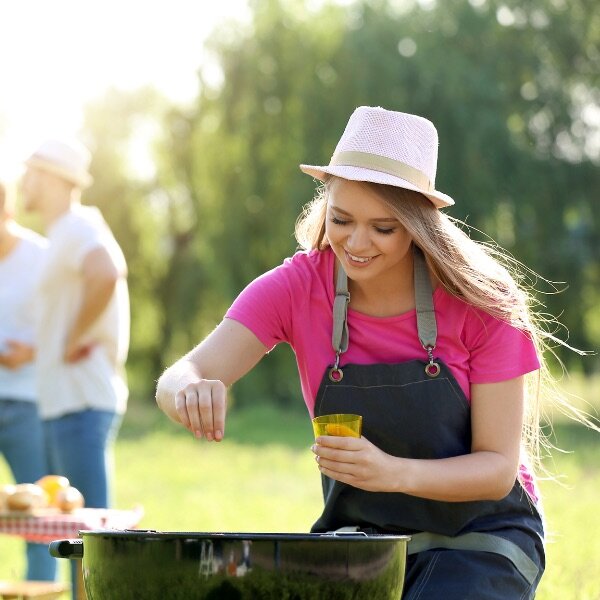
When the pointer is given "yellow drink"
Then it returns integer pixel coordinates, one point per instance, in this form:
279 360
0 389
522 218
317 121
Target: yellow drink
338 424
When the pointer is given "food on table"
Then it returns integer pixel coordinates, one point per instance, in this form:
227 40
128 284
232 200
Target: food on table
6 490
52 484
26 497
50 491
69 499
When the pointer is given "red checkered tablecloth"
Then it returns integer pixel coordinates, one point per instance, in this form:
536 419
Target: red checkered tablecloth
49 526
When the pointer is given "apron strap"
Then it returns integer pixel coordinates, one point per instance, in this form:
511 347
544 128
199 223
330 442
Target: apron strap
339 337
426 323
481 542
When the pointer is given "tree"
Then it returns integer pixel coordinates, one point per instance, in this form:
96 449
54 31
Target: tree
510 86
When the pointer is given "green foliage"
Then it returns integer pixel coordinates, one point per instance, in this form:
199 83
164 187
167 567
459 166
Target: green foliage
509 86
263 478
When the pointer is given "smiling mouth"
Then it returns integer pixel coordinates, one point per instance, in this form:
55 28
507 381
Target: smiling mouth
359 259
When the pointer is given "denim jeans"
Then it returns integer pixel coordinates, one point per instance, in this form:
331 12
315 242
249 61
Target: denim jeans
466 575
22 443
79 447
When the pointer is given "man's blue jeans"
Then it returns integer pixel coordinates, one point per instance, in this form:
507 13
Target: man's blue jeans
79 447
22 443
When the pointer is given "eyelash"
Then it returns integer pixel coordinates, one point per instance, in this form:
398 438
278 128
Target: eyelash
337 221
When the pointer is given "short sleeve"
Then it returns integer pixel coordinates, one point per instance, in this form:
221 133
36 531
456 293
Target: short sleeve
498 351
264 307
81 241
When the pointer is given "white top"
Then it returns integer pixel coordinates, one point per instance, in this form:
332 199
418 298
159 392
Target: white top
97 381
19 272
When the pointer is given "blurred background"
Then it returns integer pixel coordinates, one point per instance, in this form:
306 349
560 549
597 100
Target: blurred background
199 113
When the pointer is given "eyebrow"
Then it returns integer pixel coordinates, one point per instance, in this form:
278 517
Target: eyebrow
378 220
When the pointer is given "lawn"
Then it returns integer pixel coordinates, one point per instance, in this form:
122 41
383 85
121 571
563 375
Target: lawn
263 478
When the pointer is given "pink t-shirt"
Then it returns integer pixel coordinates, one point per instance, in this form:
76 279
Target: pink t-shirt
293 303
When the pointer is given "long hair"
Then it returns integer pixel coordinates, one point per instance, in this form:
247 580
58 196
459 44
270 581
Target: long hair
481 274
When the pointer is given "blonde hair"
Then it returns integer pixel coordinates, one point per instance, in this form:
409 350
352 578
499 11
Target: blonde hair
479 273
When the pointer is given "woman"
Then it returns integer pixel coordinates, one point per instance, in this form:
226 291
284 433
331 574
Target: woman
21 436
395 314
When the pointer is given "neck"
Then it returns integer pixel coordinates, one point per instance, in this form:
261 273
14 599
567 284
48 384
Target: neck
57 206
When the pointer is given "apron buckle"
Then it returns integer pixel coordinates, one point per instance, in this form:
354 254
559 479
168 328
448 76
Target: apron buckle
335 373
432 369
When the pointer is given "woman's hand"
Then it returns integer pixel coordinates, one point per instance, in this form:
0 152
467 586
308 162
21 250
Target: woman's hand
488 472
355 461
16 354
201 408
193 391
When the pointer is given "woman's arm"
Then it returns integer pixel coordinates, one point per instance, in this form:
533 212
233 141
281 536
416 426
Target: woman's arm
193 391
487 473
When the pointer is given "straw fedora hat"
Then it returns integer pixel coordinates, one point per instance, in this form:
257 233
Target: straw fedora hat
67 159
387 147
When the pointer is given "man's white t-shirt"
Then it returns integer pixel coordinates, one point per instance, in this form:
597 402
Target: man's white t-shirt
97 381
19 272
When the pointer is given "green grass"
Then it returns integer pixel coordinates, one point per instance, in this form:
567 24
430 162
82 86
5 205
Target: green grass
263 478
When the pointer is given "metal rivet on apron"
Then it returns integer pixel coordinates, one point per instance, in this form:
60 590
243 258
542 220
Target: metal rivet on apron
431 368
335 373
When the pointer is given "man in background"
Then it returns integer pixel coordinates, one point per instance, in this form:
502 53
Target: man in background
83 326
21 437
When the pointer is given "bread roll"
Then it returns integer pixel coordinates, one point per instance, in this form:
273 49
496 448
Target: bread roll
6 490
27 496
69 499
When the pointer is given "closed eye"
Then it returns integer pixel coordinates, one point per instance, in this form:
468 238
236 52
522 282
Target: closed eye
337 221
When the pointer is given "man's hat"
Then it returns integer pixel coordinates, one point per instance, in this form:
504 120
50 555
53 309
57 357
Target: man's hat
69 160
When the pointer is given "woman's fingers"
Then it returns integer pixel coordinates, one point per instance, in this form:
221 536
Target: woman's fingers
201 408
181 408
338 447
354 461
332 466
219 397
211 407
193 400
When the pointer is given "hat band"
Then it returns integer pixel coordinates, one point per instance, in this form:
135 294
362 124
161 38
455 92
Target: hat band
376 162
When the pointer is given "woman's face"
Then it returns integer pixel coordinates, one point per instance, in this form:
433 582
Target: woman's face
366 237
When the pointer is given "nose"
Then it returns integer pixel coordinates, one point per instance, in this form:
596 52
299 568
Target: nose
358 240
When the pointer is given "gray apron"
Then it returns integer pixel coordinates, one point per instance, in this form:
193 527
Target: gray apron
416 409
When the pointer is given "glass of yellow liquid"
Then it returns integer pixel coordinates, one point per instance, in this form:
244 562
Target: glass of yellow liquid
338 424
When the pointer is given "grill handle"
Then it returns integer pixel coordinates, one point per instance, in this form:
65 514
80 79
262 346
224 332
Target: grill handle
66 549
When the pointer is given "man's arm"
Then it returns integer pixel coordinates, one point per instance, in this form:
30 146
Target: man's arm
100 275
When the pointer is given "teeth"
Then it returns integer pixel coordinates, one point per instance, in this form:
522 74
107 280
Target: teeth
358 258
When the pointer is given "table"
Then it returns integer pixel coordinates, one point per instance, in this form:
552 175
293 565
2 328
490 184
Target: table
46 525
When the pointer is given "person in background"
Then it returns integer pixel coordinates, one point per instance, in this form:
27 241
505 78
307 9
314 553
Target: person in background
21 434
83 326
396 314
